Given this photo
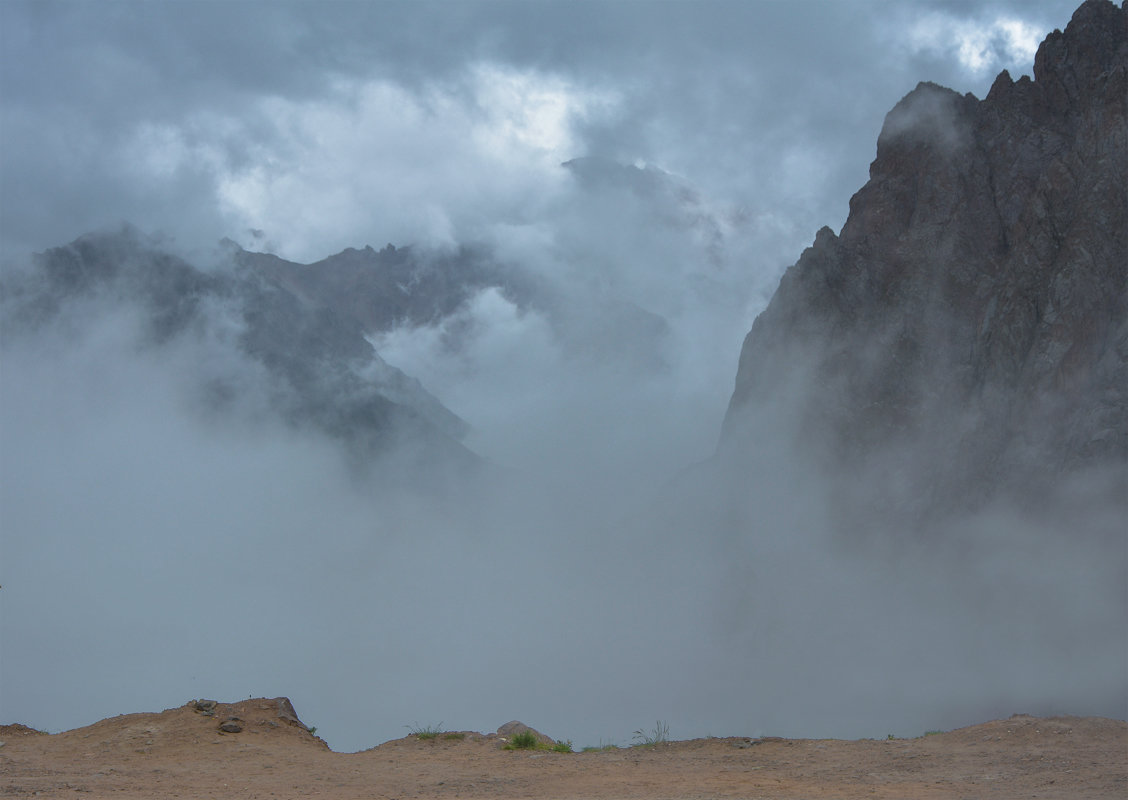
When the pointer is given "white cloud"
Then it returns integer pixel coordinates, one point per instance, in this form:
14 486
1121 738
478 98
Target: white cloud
980 46
1021 39
373 158
525 111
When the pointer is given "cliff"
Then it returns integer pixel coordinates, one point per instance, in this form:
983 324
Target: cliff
966 334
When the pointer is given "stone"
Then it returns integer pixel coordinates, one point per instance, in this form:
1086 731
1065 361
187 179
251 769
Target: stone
510 729
286 712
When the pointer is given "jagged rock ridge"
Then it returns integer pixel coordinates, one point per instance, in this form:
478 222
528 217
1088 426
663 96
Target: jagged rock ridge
968 328
386 288
408 287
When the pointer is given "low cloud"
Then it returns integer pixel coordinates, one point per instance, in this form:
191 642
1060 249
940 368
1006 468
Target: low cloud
433 165
160 545
174 548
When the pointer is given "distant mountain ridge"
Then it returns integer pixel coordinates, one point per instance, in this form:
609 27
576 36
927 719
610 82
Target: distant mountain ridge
383 289
966 334
317 370
312 329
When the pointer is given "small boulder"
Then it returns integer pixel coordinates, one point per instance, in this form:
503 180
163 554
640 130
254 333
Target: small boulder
510 729
232 725
286 711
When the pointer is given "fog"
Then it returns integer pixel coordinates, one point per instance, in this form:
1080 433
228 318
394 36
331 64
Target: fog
596 576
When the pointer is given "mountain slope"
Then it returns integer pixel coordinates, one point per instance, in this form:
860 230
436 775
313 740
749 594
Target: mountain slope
965 336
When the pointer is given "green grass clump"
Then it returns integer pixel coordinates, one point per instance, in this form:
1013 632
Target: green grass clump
455 736
524 740
425 732
527 740
660 735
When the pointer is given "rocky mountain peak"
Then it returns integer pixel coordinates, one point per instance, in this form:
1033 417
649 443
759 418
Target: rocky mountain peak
968 328
930 115
1093 44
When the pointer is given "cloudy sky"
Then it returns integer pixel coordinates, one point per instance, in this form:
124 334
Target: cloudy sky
305 128
328 125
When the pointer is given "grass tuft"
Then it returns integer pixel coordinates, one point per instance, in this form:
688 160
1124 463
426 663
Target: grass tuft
601 747
524 740
660 735
425 732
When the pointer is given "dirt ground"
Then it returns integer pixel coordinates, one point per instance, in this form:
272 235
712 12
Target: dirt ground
182 752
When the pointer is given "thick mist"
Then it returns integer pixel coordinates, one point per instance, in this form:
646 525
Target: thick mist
158 547
603 568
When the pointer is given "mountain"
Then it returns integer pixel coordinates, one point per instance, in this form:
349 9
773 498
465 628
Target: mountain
381 290
260 346
965 336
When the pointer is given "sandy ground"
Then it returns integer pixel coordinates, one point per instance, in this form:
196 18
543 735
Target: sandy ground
182 753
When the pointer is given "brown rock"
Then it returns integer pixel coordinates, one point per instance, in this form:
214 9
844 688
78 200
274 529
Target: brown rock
204 706
511 729
286 711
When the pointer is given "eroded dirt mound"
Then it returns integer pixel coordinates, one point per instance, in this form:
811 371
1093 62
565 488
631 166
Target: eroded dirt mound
185 751
1022 729
195 723
9 731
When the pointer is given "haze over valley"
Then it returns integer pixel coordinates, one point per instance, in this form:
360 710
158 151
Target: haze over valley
389 366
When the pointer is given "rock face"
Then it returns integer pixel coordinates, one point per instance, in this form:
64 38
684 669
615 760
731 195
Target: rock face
966 334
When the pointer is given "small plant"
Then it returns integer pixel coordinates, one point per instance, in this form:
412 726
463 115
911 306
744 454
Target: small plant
660 735
890 738
425 732
523 740
562 746
601 747
455 736
312 730
591 748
